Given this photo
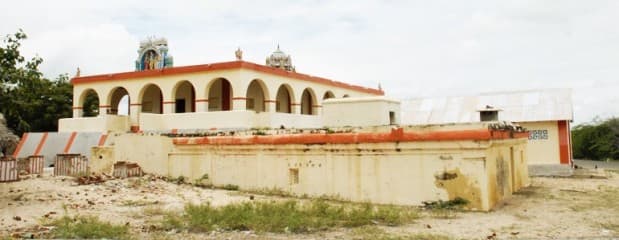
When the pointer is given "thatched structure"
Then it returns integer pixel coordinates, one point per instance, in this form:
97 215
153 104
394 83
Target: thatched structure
8 140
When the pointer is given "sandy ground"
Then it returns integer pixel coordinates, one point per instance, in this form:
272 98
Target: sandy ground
551 208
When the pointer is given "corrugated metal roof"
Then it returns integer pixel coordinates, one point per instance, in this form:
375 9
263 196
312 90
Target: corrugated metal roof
516 106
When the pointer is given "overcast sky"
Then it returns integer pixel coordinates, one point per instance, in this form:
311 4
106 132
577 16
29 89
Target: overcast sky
412 48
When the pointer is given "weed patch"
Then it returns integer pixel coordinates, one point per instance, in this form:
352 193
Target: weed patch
288 216
230 187
87 228
445 209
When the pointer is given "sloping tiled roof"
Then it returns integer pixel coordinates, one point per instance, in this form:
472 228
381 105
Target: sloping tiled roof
517 106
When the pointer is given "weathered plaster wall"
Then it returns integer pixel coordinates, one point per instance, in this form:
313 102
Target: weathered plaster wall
544 142
398 172
101 124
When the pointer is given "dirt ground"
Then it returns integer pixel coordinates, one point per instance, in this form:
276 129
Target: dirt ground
551 208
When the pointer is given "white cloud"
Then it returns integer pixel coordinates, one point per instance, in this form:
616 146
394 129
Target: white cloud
413 48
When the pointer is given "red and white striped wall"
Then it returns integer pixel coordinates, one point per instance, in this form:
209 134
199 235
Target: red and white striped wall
49 144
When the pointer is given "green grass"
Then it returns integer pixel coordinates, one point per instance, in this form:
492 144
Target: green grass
288 216
87 228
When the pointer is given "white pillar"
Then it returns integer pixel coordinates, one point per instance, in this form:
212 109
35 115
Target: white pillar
239 103
201 105
271 105
295 108
77 112
134 116
168 107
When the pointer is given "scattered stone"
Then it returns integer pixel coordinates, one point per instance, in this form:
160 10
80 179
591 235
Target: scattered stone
17 218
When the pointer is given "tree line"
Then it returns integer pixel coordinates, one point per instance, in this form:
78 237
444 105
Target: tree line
29 101
598 140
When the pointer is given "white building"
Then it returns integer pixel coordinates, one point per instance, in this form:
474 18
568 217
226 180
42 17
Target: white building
545 113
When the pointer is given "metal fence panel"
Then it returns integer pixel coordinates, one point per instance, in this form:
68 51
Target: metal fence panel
70 165
8 170
124 170
31 165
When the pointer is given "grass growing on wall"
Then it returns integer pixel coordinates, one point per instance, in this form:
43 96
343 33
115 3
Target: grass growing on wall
287 216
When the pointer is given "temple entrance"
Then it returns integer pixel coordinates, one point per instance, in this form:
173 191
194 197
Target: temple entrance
185 98
255 97
152 100
307 102
119 102
283 103
220 96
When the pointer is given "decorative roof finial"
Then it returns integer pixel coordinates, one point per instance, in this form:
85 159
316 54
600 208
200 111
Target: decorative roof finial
281 60
239 54
78 73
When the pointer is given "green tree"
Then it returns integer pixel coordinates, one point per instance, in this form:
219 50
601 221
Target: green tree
598 140
28 101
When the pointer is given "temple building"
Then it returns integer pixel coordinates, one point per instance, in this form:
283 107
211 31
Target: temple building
236 94
269 127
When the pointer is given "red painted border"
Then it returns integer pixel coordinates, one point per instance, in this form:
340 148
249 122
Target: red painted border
102 139
70 142
564 135
41 143
396 135
221 66
23 140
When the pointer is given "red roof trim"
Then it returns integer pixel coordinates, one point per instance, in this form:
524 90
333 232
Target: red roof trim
396 135
221 66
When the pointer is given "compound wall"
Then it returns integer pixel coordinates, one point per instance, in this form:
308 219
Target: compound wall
398 166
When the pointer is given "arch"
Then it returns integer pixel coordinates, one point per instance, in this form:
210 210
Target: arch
346 95
327 95
219 95
308 100
118 101
151 99
256 96
283 100
89 102
184 96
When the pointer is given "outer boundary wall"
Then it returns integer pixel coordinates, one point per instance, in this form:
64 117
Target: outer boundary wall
395 166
